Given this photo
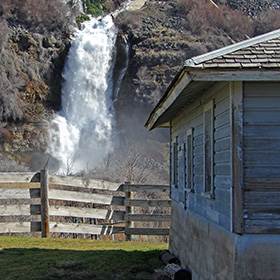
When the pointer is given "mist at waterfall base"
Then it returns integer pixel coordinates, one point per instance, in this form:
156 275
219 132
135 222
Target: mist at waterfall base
81 134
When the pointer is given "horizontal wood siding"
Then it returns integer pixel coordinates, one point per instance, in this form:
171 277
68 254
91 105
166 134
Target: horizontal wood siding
217 210
262 157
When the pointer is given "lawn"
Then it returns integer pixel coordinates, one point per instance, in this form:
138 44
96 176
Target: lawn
33 258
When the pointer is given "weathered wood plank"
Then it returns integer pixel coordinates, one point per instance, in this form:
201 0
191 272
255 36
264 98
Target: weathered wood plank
223 169
14 210
19 177
269 172
262 185
84 228
19 185
146 188
262 226
237 114
262 130
147 217
222 132
222 157
222 145
263 155
262 198
256 89
147 202
265 116
147 231
262 213
19 193
84 183
85 197
222 107
262 102
17 227
68 211
261 143
223 119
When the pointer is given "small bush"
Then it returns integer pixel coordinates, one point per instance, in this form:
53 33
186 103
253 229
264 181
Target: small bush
92 7
4 31
41 16
129 20
11 106
82 17
8 165
267 21
202 16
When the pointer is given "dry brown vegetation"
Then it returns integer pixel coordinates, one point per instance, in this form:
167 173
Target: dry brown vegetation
203 16
38 15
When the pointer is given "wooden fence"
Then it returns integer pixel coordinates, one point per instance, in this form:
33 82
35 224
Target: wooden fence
40 202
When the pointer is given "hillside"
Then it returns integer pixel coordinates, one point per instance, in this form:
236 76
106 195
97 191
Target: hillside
36 36
165 33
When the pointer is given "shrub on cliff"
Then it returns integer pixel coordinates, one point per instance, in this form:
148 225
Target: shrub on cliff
41 16
8 165
11 106
129 20
202 16
267 21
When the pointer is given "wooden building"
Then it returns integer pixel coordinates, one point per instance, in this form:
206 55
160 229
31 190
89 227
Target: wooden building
223 112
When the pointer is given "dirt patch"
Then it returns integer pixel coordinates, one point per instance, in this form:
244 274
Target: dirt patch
136 5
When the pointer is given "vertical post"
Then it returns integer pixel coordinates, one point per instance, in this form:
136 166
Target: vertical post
236 99
128 210
44 189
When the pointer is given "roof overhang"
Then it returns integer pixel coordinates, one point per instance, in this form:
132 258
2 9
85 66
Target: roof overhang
190 82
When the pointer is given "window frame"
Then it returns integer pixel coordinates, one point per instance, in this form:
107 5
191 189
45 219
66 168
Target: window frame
189 183
208 140
175 163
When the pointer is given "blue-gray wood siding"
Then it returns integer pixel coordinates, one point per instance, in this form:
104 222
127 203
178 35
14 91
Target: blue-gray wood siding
217 210
262 157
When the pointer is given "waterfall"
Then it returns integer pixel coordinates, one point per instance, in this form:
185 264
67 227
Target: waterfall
81 134
123 69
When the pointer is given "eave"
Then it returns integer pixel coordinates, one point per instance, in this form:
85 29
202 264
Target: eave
190 82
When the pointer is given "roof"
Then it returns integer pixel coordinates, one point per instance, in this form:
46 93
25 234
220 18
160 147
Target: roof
260 51
257 58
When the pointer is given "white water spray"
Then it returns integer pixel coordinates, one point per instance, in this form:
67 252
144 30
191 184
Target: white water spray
81 133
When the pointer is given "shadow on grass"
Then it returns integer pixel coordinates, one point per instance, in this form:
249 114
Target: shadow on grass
37 263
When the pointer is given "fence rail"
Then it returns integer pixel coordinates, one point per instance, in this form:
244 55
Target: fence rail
39 202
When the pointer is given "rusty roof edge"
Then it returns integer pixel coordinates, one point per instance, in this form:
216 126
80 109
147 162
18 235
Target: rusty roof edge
195 61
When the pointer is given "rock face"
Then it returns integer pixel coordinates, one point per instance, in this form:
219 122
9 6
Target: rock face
32 55
38 60
162 34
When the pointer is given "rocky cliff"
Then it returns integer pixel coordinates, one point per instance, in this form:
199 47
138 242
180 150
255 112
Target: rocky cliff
162 34
34 43
35 38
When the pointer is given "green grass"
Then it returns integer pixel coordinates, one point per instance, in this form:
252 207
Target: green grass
31 258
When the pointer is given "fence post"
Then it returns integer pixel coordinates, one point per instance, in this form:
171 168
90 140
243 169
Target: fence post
44 189
128 210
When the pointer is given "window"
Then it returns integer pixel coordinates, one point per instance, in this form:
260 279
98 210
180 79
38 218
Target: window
175 163
209 148
189 161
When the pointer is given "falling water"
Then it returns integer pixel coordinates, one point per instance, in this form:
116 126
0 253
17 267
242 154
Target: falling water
82 132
